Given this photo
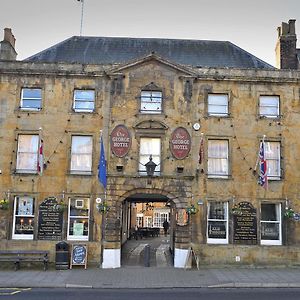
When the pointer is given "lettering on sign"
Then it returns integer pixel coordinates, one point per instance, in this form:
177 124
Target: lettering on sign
245 224
120 141
79 255
180 143
50 221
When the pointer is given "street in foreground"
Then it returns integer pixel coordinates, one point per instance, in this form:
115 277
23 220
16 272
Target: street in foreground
147 294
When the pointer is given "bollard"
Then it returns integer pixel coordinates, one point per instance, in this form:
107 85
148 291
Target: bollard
147 256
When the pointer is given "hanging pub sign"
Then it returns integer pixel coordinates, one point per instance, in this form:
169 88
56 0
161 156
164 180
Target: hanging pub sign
180 143
182 217
120 141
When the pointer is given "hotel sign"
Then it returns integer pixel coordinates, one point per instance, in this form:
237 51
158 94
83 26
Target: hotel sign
180 143
120 141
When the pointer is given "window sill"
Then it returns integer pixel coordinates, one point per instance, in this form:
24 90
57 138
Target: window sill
25 173
83 112
78 173
29 110
222 177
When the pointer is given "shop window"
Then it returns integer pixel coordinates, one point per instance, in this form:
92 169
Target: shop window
270 224
27 153
31 99
217 223
151 102
23 222
84 100
269 106
218 166
81 155
78 222
273 160
217 105
149 146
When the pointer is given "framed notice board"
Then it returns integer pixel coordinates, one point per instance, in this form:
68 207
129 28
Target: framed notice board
79 255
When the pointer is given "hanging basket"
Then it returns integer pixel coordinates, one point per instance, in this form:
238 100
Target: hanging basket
191 210
103 207
4 204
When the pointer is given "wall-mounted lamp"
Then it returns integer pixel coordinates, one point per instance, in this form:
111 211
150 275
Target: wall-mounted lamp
150 166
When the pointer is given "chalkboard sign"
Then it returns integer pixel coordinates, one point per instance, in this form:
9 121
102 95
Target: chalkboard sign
50 221
245 224
79 256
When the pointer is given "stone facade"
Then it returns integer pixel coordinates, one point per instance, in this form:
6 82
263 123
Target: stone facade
182 182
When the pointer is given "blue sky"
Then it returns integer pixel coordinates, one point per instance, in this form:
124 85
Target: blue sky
251 25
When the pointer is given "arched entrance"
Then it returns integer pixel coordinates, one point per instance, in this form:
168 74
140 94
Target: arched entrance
119 221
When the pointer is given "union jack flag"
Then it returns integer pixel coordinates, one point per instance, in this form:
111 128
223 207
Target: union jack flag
40 161
263 176
201 151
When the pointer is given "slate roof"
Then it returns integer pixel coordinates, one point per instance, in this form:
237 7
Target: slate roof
118 50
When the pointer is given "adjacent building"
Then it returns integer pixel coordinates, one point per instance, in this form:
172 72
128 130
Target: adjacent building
199 112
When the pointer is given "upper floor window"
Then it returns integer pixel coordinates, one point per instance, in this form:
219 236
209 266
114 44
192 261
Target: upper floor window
217 223
78 225
31 99
23 222
217 105
81 154
269 106
149 146
270 224
151 102
84 100
273 160
218 165
27 153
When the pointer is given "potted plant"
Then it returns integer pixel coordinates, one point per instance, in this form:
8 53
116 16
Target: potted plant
103 207
4 204
191 210
61 206
289 213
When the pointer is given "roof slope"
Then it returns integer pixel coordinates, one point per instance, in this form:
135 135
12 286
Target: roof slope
116 50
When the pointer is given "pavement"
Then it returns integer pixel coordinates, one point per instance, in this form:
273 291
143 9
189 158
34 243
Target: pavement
160 274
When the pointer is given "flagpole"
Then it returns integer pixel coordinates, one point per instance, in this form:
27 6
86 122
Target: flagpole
81 21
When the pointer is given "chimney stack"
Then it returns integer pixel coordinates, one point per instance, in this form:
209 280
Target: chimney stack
286 52
7 46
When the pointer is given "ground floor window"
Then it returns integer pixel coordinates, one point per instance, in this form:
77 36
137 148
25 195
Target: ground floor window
139 220
159 218
23 222
270 224
148 221
78 223
217 223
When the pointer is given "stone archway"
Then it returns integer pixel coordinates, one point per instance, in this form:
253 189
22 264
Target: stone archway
112 239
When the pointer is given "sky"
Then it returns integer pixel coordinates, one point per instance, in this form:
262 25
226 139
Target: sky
249 24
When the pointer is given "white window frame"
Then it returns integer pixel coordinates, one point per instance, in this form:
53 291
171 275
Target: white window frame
212 157
74 155
218 105
150 99
30 216
263 107
277 242
31 151
72 237
24 99
217 240
274 158
139 220
149 146
159 216
82 100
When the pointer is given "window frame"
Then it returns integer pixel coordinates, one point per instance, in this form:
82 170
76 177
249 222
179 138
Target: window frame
278 208
72 237
144 157
217 113
18 236
278 160
34 154
261 107
222 241
22 99
209 158
81 100
145 110
73 154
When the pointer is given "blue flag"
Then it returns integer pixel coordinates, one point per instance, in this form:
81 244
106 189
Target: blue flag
102 165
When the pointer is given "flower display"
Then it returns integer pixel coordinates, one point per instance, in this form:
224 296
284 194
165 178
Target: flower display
4 204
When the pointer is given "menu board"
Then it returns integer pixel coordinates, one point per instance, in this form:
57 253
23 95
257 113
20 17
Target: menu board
50 221
79 256
245 224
